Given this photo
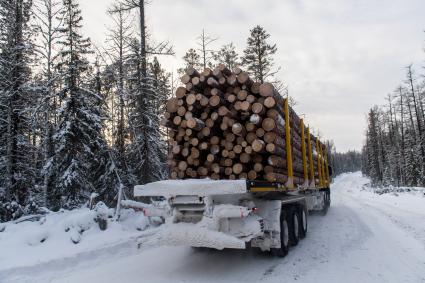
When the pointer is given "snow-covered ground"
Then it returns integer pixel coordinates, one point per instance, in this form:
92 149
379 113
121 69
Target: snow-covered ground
365 237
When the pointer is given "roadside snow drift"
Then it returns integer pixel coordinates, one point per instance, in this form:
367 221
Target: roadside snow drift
63 234
368 235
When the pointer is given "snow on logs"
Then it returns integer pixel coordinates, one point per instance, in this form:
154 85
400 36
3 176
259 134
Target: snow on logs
224 125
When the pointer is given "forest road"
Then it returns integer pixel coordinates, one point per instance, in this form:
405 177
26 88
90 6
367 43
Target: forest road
359 240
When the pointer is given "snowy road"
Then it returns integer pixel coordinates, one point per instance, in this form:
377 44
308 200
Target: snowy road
363 238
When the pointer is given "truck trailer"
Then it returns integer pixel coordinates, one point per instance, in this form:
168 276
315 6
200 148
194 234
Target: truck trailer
214 201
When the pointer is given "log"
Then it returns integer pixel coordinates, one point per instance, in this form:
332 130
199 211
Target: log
172 105
190 99
260 132
255 88
269 125
196 124
250 127
274 149
252 175
216 100
192 72
276 161
213 82
245 106
255 119
223 111
258 145
216 91
251 137
258 167
177 120
276 177
238 129
182 165
244 79
258 108
245 157
181 110
232 80
242 95
238 168
224 69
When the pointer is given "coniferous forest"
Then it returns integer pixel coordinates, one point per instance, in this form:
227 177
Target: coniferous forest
394 151
77 120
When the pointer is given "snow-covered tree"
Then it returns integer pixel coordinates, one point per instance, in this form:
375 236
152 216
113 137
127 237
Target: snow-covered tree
394 149
116 74
161 84
349 161
48 21
146 150
16 166
78 138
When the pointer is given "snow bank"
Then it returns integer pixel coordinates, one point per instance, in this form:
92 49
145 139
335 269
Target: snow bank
64 234
358 185
359 182
401 204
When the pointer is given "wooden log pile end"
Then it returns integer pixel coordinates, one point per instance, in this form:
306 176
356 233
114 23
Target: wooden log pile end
224 125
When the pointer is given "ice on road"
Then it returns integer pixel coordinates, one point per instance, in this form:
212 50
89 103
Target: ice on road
365 237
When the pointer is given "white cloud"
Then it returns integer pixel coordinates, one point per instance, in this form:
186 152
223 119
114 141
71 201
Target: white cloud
339 57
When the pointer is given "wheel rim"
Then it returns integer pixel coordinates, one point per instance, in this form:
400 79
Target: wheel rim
304 220
285 233
296 226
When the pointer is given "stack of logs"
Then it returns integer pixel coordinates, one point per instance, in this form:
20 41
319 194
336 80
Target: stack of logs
223 125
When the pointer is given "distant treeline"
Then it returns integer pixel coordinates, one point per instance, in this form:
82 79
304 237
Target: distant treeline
350 161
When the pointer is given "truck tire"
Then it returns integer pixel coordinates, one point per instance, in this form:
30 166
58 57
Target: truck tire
284 238
294 226
303 221
326 203
328 197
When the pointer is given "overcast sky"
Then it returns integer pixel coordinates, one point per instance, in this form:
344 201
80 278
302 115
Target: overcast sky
338 57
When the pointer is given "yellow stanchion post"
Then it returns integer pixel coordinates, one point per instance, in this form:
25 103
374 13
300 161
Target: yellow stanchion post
290 183
310 160
328 183
304 153
319 163
322 165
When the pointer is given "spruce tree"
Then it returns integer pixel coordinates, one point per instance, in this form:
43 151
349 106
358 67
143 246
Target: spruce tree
16 170
258 55
191 59
227 55
373 148
78 137
146 151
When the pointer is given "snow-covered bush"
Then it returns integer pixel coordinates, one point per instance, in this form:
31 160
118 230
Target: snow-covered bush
11 210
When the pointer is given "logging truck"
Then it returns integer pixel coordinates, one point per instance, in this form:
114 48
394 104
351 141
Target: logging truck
244 169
